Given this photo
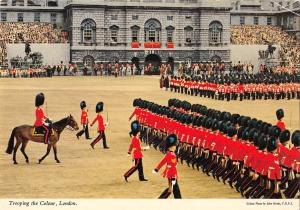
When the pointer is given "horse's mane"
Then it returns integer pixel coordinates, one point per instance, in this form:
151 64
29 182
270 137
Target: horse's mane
61 122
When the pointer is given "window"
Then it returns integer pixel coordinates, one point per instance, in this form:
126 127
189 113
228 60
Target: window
255 20
114 17
88 31
20 17
114 36
170 32
170 35
17 2
169 17
152 30
269 21
135 17
188 34
242 20
37 17
3 17
188 17
114 30
215 32
135 33
53 17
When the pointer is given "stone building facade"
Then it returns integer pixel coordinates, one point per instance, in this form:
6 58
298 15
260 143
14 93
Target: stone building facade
156 31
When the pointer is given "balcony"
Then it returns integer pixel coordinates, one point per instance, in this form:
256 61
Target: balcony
170 45
135 44
152 45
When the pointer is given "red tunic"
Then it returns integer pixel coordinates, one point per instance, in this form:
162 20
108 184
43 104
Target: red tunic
40 117
281 125
283 153
99 118
294 158
171 168
136 147
84 117
274 171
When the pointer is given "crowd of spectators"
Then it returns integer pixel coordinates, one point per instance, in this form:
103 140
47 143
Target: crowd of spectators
289 52
27 32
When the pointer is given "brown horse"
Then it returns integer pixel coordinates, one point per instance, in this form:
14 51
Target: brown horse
24 133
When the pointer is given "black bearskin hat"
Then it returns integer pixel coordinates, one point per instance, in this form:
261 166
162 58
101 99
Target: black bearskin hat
272 144
136 102
279 114
82 104
99 107
275 131
296 138
263 141
135 127
231 131
39 99
284 136
171 140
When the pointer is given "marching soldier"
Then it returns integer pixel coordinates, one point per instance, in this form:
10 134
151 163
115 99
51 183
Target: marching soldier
171 169
101 126
84 121
136 148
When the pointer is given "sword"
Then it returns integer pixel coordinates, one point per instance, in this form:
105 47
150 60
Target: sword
46 109
291 120
107 120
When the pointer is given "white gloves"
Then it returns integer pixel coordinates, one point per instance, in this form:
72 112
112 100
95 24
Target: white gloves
154 172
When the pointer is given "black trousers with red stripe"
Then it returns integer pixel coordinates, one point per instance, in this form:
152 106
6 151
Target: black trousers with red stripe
47 133
137 166
176 191
98 138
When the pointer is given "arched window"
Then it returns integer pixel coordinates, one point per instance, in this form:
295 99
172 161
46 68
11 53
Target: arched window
152 30
215 32
88 31
114 33
170 33
135 33
188 34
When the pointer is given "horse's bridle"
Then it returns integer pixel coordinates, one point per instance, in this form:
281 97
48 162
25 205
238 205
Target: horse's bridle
68 126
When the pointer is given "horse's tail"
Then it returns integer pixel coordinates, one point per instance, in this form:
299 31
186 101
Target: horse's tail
11 141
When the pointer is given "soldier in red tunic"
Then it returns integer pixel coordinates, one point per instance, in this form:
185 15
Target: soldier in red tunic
274 172
41 119
171 169
294 160
101 126
280 123
137 155
84 121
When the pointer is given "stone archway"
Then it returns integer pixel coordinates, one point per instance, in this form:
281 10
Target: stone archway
154 59
89 61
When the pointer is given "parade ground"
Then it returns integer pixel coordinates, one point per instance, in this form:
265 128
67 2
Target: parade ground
87 173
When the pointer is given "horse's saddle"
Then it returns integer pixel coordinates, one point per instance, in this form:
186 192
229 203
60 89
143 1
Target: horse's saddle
40 131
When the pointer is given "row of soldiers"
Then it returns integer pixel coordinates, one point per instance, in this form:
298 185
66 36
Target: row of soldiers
239 86
116 69
254 156
27 73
